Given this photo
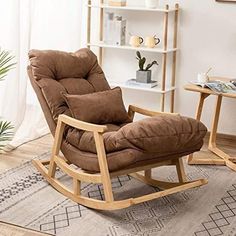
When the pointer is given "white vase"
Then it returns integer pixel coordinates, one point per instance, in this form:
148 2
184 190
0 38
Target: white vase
151 3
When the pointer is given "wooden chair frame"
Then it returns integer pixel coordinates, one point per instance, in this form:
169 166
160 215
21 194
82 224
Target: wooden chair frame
104 176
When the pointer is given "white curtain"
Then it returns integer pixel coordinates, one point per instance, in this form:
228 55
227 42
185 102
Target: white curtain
27 24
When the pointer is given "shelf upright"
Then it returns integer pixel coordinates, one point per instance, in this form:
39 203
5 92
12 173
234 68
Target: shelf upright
89 24
101 32
173 78
164 56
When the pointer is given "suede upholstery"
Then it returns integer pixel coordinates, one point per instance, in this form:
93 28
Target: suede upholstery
98 108
127 144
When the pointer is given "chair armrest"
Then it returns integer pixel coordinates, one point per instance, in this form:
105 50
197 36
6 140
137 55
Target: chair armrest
134 109
81 124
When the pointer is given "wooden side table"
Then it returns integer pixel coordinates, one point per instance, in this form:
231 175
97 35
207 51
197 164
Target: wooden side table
225 158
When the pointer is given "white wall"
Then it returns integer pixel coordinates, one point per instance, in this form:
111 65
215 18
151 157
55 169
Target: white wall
207 38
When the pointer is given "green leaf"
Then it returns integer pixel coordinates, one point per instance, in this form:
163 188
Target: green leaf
138 54
6 133
150 65
141 63
6 63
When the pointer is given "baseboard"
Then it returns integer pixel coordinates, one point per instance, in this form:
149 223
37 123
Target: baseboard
223 136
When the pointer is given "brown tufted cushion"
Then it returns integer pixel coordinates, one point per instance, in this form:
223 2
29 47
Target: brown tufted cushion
98 108
73 73
162 135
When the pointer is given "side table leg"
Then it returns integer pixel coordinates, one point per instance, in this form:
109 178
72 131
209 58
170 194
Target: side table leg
202 98
212 140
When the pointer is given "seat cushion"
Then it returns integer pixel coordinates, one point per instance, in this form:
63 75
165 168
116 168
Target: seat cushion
98 108
151 138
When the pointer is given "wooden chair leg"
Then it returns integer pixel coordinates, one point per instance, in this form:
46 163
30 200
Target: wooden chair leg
148 173
76 186
56 147
180 171
105 175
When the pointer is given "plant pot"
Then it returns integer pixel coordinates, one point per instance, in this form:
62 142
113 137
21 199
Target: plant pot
144 76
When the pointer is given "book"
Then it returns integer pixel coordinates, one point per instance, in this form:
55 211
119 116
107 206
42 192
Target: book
114 29
217 86
134 83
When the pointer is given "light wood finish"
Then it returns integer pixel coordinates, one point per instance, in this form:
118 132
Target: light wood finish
148 174
8 229
203 96
180 171
163 90
212 141
56 147
77 186
135 109
101 32
226 159
89 24
160 184
164 58
195 88
173 79
104 176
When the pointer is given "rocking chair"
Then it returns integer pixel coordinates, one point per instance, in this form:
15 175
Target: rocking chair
95 133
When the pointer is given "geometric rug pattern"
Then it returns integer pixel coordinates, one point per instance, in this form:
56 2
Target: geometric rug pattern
222 215
26 199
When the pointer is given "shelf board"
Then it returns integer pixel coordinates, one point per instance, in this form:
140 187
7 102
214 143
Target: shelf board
133 8
156 89
127 47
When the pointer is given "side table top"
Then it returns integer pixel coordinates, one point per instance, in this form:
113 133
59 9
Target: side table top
196 88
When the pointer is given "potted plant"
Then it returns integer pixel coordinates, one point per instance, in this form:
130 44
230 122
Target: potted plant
144 75
6 129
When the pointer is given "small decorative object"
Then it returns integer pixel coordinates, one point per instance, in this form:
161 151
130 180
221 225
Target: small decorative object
144 75
203 77
135 41
117 3
233 81
151 3
5 126
151 41
114 29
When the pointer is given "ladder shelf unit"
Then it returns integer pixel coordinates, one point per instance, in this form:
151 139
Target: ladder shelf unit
162 89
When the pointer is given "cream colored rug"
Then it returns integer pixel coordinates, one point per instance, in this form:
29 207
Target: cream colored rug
7 229
27 200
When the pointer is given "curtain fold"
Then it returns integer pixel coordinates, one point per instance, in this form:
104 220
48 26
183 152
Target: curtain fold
27 24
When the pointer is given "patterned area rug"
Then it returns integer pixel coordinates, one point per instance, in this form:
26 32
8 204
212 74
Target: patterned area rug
27 200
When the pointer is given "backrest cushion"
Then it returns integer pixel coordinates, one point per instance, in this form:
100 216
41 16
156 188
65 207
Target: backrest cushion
73 73
105 107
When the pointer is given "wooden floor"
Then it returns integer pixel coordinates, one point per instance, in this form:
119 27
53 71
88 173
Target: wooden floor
25 152
34 148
